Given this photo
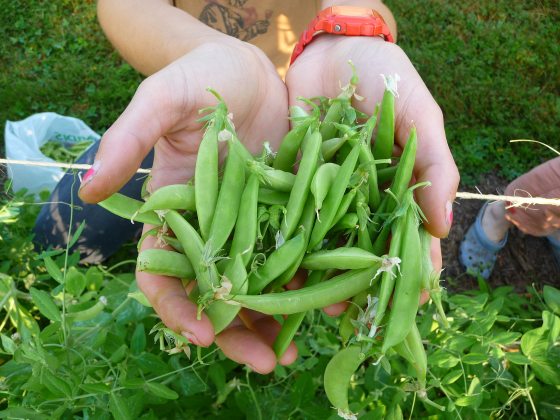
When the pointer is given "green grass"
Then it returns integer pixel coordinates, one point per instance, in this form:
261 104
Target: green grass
492 67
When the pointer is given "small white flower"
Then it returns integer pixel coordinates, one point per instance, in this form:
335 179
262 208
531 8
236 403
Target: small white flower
346 415
224 290
224 135
391 83
103 300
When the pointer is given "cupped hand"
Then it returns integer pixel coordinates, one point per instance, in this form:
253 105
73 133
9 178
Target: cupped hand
163 115
323 67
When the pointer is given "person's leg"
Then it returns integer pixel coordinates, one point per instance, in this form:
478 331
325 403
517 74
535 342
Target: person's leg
484 239
104 233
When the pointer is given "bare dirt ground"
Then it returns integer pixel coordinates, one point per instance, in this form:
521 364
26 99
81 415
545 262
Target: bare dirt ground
523 261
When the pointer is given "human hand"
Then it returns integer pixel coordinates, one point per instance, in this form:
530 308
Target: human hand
163 114
323 65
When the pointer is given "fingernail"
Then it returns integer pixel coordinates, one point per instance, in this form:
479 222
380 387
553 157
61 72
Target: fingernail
449 213
191 337
509 208
90 173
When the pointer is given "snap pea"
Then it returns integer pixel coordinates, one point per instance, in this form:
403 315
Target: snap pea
272 178
383 146
271 197
287 152
89 313
386 174
348 222
338 373
171 197
322 181
206 177
348 258
306 224
128 208
245 232
165 263
206 272
412 349
227 206
346 328
331 146
408 285
332 201
279 261
337 289
333 115
363 212
292 322
300 191
345 205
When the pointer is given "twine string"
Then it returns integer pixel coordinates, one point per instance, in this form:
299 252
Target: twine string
513 201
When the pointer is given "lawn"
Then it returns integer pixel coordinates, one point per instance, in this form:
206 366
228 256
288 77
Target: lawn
492 67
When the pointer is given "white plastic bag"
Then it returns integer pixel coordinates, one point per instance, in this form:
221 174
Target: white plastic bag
23 142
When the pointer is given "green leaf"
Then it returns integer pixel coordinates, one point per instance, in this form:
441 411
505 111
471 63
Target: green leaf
475 358
53 269
544 358
94 278
118 407
22 413
161 390
76 235
451 377
8 344
45 304
303 389
75 281
138 340
517 358
505 337
55 384
96 388
443 359
552 298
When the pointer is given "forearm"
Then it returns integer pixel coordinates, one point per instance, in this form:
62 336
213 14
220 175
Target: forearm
150 34
378 5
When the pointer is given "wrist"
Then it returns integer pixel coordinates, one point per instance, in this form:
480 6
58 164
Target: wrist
376 5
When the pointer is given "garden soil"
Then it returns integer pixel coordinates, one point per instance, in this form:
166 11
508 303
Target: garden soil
524 260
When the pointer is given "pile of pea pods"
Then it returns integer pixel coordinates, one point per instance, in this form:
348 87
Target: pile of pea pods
327 202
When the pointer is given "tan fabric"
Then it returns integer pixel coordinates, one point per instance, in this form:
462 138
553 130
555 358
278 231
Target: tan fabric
542 181
273 26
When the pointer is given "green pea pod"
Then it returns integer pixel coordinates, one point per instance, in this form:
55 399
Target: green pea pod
128 208
408 285
245 233
345 205
229 198
363 212
333 199
333 115
275 179
346 328
337 289
348 222
292 322
338 373
347 258
271 197
171 197
412 349
287 152
165 263
322 181
306 223
206 177
206 272
331 146
383 146
300 191
388 278
279 261
386 174
399 186
88 314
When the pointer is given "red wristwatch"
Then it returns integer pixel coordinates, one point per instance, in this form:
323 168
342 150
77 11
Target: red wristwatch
344 20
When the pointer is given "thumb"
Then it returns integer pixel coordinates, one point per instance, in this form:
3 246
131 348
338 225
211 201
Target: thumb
126 143
434 163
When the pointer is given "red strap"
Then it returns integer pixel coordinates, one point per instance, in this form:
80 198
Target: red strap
362 22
